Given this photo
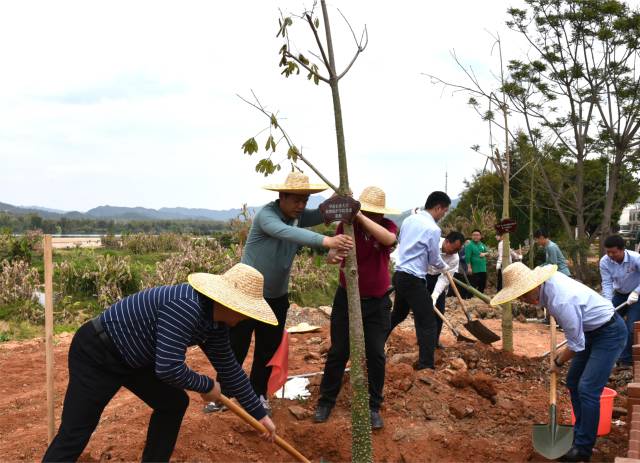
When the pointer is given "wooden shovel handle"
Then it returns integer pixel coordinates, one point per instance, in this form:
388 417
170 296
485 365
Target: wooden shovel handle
552 357
445 320
457 293
238 410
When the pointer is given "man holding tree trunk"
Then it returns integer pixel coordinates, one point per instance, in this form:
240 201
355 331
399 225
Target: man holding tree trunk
277 232
375 237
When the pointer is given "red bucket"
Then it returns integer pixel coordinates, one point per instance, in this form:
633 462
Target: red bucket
606 411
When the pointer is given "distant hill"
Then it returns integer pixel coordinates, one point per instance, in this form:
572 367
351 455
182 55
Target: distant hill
140 213
164 213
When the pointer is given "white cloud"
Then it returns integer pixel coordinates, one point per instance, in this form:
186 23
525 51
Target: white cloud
133 103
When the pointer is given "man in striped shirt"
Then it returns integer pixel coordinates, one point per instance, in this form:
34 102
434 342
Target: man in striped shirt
140 343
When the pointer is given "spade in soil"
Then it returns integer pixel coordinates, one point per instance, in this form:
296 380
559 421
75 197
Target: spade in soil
552 440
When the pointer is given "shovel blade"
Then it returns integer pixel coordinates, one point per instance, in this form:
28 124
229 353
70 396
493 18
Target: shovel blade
481 332
552 440
462 338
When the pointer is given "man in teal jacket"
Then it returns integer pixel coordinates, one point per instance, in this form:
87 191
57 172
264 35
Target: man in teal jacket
277 232
553 254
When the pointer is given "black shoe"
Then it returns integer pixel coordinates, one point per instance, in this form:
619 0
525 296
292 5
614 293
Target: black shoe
322 413
574 454
420 366
376 420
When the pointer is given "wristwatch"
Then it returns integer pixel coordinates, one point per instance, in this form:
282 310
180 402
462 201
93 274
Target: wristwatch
555 360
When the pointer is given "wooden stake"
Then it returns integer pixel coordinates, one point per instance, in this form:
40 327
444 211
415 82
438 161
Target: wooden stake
48 329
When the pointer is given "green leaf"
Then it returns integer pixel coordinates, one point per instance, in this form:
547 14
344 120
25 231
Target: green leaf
293 153
274 121
303 60
250 146
266 167
267 146
316 22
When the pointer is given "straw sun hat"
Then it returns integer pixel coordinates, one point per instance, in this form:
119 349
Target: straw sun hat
518 279
297 183
373 200
239 289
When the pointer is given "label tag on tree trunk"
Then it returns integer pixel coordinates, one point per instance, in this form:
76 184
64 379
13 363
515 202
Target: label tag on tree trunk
339 209
506 226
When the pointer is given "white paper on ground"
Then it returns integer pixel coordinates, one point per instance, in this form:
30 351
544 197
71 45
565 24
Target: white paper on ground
295 388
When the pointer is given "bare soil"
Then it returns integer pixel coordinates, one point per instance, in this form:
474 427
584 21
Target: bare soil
479 405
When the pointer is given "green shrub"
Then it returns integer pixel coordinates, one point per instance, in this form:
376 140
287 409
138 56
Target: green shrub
313 282
141 243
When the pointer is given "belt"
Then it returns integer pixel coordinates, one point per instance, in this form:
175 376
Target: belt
104 337
605 324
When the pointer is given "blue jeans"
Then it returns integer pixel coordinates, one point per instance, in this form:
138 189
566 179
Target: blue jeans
631 315
587 377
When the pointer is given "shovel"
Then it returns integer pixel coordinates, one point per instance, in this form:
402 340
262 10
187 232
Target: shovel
259 427
552 440
475 327
456 333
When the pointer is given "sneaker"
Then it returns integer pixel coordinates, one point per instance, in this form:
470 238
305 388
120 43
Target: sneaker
265 404
212 407
322 413
376 420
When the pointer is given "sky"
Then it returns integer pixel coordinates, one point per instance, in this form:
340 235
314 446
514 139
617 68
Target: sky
135 103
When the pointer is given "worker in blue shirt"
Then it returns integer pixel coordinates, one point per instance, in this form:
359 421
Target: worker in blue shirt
620 272
595 335
418 249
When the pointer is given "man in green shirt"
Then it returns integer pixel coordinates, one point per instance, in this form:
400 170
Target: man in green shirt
277 232
553 254
475 253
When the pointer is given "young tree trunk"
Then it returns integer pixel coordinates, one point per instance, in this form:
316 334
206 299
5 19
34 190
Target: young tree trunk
605 225
532 257
507 315
361 450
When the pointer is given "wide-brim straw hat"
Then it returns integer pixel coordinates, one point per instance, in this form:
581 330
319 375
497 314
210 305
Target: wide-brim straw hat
373 199
518 279
297 183
239 289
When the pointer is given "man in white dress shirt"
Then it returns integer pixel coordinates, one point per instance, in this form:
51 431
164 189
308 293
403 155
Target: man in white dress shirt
595 333
437 282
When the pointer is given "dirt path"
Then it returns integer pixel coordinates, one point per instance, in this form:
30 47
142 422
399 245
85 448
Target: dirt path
483 414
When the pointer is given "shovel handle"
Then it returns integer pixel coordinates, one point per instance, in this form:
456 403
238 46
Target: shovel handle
238 410
457 293
552 357
446 321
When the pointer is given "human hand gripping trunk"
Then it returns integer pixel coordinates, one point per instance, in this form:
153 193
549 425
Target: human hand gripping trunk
342 243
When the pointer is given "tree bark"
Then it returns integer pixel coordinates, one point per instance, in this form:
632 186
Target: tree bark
614 175
361 449
507 314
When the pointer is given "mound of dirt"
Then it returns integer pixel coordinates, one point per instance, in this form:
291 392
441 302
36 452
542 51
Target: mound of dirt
478 405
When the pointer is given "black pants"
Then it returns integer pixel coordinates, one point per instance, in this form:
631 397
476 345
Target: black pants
96 372
268 338
479 280
440 302
499 280
412 294
375 323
